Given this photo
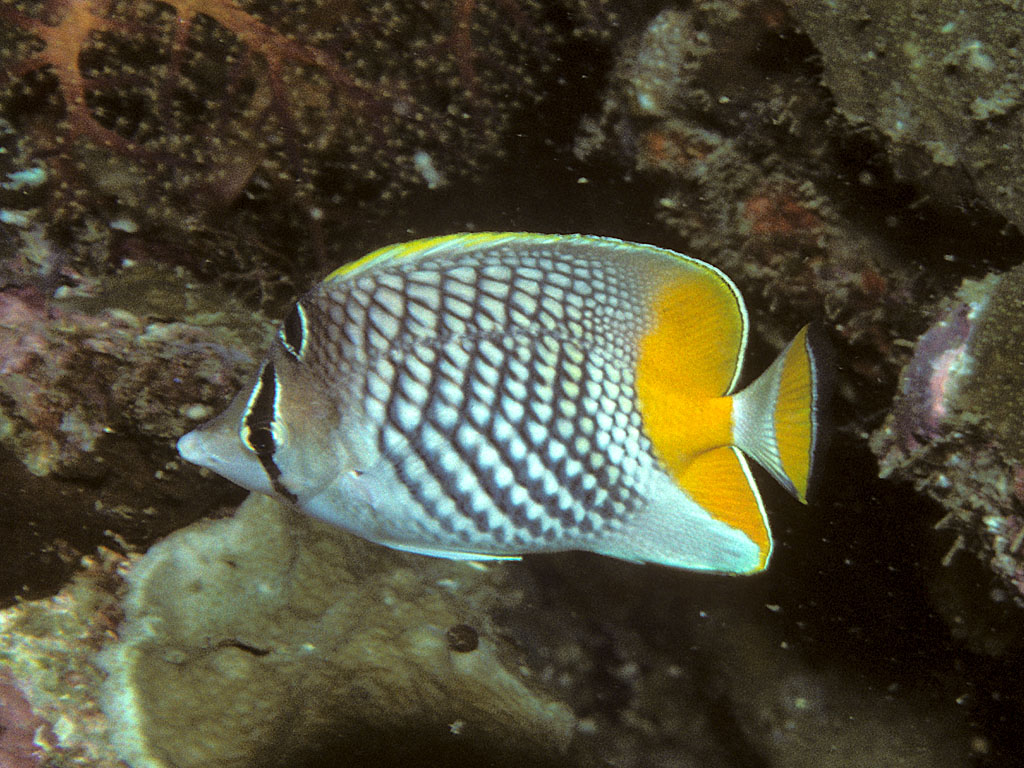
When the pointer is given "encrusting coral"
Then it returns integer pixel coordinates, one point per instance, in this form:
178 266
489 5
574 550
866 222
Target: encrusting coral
18 726
170 108
720 106
269 639
77 370
955 429
49 681
760 135
263 638
940 80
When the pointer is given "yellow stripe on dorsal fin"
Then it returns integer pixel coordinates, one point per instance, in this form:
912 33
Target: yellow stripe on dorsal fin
721 483
425 246
689 358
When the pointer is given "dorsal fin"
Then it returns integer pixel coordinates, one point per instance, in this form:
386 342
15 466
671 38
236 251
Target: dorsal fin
428 246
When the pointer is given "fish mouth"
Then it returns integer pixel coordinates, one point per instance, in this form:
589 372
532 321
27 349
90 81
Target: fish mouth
220 454
191 447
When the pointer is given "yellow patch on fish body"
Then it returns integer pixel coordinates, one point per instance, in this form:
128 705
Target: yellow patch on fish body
492 394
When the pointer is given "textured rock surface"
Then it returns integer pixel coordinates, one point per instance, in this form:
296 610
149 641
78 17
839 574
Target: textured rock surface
266 639
720 107
171 112
259 639
715 123
49 681
941 80
956 428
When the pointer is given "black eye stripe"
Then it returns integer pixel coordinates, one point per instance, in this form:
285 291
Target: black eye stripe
262 410
261 440
258 427
293 332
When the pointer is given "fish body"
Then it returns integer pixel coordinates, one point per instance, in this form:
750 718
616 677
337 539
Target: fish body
495 394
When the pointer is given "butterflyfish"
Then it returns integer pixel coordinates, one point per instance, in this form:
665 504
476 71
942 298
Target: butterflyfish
488 395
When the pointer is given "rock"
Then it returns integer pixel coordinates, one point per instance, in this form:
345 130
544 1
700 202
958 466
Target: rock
258 640
941 81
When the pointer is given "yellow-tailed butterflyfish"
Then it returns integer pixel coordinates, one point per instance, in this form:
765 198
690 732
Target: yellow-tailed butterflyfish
489 395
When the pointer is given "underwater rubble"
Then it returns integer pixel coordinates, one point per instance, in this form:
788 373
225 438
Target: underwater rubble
286 117
259 640
720 106
940 81
804 149
99 374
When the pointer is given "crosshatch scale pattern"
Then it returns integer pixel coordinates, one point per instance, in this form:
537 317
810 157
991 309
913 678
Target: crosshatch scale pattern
499 387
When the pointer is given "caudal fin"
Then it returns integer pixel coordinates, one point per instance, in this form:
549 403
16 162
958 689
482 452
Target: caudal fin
776 420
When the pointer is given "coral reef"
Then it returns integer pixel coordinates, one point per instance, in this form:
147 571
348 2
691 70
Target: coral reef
261 634
105 356
98 377
755 132
50 680
261 639
940 81
956 429
149 149
730 119
167 112
201 137
18 725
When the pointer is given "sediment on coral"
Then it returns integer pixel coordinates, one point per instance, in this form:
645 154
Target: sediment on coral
265 638
768 138
169 112
99 375
721 106
955 427
270 639
49 679
940 80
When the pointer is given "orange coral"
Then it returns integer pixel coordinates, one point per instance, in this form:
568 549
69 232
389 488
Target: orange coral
68 28
673 147
337 100
776 211
63 40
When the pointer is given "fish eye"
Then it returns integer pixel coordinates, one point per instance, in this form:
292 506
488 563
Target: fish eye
293 332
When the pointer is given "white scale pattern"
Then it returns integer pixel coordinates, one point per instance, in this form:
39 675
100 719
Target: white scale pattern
500 387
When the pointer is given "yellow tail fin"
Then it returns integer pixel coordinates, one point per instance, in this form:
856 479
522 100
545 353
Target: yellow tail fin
776 420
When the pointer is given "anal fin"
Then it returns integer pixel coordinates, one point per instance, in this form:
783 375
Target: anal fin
715 521
721 483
